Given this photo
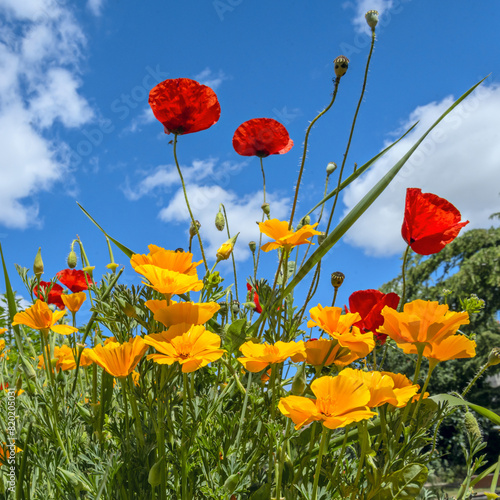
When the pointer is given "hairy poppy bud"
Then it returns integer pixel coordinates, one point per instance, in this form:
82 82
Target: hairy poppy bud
38 264
330 168
72 260
471 425
252 245
337 279
340 65
220 222
266 208
372 18
192 230
494 357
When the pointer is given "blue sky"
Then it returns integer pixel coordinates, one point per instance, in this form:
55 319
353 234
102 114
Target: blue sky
76 126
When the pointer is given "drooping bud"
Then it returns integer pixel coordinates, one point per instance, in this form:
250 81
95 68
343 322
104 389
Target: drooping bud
220 222
321 238
252 245
266 208
337 279
372 18
340 65
226 249
299 381
330 168
72 260
192 229
494 357
38 264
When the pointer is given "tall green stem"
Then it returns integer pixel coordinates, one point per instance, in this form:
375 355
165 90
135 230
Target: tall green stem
232 253
314 495
403 276
184 436
160 446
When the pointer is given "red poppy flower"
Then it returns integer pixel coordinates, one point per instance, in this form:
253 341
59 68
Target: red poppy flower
261 137
258 308
74 279
55 293
369 305
430 222
184 106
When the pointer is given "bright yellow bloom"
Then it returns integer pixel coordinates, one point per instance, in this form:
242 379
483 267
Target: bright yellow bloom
2 330
316 351
2 347
340 401
110 339
259 356
136 376
454 347
40 317
169 282
180 262
65 359
193 349
383 388
224 251
183 312
283 237
422 322
74 301
117 359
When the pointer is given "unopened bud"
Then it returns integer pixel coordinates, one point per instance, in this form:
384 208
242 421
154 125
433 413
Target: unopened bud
252 245
305 221
372 18
337 279
226 249
231 483
193 230
471 425
494 357
340 65
223 308
72 260
38 264
299 381
266 208
321 238
154 476
220 222
330 168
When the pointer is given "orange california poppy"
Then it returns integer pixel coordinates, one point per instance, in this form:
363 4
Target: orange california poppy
2 330
74 301
195 348
119 360
382 387
283 237
339 402
261 137
40 317
454 347
316 351
182 312
181 262
422 322
65 359
259 356
2 347
169 282
184 106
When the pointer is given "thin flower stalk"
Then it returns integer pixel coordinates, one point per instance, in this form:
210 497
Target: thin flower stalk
324 434
232 253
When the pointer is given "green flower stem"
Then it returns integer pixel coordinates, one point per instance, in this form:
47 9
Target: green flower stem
473 381
135 412
273 416
314 495
281 461
432 364
187 203
232 253
243 411
304 153
335 473
284 266
184 436
160 446
403 276
363 434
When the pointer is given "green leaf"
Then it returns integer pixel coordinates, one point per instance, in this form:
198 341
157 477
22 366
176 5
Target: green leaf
235 335
263 493
454 401
404 483
122 247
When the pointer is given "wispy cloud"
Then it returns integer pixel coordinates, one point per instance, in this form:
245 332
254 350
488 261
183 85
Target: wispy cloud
145 117
459 161
95 6
212 79
361 7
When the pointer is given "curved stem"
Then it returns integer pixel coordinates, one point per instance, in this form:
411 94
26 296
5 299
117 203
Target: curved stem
187 203
263 178
403 276
232 253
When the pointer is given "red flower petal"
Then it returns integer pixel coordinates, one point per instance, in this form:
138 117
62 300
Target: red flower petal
258 307
74 279
430 222
184 106
55 293
261 137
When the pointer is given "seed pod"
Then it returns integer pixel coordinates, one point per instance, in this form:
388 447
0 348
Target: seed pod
494 357
372 18
252 245
235 307
266 208
340 65
38 264
330 168
192 230
337 279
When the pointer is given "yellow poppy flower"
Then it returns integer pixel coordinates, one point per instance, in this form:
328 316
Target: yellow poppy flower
339 402
169 282
117 359
382 387
182 312
65 359
2 347
224 251
317 349
180 262
2 330
283 237
259 356
40 317
74 301
454 347
193 349
422 322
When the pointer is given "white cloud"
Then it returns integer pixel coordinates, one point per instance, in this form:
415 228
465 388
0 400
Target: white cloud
95 6
459 161
361 7
211 78
145 117
40 52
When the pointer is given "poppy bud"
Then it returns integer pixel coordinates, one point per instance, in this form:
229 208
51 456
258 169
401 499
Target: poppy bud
372 18
337 279
223 308
494 357
220 223
192 230
38 264
235 307
266 208
252 245
305 221
321 238
340 65
330 168
299 381
471 425
231 483
72 259
226 249
155 473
